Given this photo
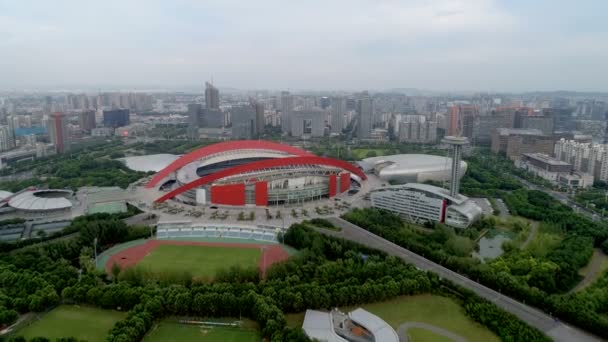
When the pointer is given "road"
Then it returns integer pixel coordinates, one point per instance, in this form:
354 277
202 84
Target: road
558 331
562 197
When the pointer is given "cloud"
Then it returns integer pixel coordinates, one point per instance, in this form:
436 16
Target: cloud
324 44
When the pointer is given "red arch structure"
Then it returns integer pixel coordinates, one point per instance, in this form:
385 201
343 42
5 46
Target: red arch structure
223 147
259 165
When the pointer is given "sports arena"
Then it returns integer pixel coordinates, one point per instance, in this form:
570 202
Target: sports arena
253 172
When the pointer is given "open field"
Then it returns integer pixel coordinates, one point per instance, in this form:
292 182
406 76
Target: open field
436 310
423 335
81 322
201 261
175 332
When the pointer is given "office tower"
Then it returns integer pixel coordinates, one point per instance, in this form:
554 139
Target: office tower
58 132
243 120
324 102
286 108
456 143
195 112
308 123
48 105
7 140
338 109
212 96
462 119
86 120
260 121
365 111
545 124
116 118
416 129
513 142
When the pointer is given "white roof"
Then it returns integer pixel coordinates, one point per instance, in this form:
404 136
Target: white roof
152 162
5 194
31 200
431 166
318 325
379 328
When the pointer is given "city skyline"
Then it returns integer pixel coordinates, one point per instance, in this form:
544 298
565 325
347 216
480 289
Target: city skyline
460 46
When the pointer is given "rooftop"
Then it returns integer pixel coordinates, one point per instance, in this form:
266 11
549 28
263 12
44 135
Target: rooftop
152 162
40 200
519 131
546 159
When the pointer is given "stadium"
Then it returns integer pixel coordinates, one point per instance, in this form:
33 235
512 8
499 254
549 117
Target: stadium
252 172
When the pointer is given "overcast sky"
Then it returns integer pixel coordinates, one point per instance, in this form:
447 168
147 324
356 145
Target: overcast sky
486 45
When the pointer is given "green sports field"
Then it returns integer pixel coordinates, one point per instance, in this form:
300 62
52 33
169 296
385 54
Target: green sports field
200 261
175 332
436 310
81 322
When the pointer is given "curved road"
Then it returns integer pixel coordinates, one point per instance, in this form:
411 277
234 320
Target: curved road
557 330
402 331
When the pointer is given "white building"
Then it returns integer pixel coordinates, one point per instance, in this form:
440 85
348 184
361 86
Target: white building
554 170
7 140
422 203
335 326
584 157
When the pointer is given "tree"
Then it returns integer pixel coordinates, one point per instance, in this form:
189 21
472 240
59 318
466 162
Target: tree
115 271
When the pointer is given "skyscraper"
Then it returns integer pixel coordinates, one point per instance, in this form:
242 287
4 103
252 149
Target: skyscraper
86 120
243 121
116 118
286 108
308 123
365 112
58 132
212 96
260 121
195 110
338 109
7 140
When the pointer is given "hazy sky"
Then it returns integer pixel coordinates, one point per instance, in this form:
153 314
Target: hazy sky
496 45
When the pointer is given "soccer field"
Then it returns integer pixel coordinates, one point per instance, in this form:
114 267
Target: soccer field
175 332
200 261
83 323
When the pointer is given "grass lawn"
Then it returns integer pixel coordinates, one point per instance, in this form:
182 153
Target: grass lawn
81 322
436 310
423 335
175 332
201 261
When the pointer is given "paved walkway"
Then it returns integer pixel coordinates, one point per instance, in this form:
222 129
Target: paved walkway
555 329
592 271
531 234
402 331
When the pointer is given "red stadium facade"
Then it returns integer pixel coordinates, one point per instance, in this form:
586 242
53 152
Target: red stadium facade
253 172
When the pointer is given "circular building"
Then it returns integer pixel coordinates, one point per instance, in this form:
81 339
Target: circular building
253 172
42 202
411 168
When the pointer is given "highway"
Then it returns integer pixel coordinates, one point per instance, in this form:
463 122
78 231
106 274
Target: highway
553 328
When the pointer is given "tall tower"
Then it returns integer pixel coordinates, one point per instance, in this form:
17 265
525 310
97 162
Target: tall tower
212 96
365 110
456 143
59 132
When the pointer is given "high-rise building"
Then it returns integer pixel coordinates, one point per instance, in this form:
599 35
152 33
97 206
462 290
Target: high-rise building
365 110
286 108
545 124
461 120
86 120
58 132
195 111
116 118
212 96
7 140
260 121
243 120
514 142
338 109
308 123
416 129
584 157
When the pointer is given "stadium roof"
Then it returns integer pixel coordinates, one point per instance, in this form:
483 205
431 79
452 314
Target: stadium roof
41 200
221 148
408 162
152 162
5 194
318 325
379 328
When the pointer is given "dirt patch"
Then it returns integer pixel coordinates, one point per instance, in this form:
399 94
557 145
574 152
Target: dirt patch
131 256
